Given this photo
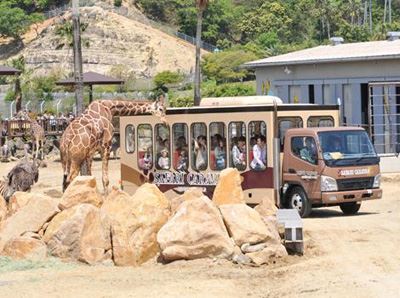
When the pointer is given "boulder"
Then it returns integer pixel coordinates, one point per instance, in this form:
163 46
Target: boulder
228 189
29 218
195 231
3 210
268 254
25 248
81 190
189 194
135 222
244 224
79 233
18 200
267 207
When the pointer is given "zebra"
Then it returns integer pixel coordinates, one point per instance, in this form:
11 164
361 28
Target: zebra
6 191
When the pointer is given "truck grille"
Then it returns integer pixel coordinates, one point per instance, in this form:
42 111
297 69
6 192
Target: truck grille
355 183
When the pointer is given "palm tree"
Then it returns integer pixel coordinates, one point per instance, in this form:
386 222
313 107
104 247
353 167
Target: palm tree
201 6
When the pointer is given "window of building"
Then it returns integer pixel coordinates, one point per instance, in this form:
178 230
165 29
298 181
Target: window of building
180 152
286 123
237 145
218 146
326 93
311 94
199 146
162 146
145 146
305 149
320 121
130 138
294 93
258 145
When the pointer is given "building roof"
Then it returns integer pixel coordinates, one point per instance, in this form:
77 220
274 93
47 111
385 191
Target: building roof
92 78
359 51
6 70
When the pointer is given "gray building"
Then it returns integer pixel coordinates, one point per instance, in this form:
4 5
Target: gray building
342 72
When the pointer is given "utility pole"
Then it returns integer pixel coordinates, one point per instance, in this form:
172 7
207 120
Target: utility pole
78 72
370 15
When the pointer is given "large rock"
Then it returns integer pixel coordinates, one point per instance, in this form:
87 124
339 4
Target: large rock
228 189
244 224
29 218
189 194
82 189
79 233
195 231
135 222
268 254
25 248
18 200
267 207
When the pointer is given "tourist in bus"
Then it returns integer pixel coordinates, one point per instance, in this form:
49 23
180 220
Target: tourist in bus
239 153
259 154
145 163
219 153
200 152
163 161
182 161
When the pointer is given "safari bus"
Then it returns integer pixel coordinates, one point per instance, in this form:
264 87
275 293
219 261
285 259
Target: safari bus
294 153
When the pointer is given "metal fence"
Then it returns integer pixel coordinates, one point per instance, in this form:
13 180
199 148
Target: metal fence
384 116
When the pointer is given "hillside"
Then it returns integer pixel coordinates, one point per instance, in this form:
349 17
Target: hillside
114 41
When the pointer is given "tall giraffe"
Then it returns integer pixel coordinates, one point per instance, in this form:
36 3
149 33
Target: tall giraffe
92 132
37 133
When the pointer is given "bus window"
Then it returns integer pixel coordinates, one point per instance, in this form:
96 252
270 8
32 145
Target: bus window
145 146
286 123
320 121
162 146
130 138
218 146
257 145
237 145
199 146
180 156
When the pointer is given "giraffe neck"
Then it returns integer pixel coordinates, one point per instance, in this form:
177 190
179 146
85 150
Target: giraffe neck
128 107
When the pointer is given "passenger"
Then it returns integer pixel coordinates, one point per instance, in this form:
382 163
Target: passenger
182 161
259 155
163 161
220 153
145 163
335 144
309 152
239 153
130 146
200 151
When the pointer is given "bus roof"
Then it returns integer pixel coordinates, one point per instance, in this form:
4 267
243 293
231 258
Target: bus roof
240 101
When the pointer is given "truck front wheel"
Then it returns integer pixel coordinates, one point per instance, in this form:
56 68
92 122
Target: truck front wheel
350 208
297 199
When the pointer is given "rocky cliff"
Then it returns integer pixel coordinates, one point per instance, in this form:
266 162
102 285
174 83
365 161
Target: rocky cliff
114 41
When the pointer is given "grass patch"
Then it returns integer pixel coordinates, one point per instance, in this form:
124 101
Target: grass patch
9 265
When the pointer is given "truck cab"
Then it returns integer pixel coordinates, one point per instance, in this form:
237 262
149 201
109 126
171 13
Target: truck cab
331 166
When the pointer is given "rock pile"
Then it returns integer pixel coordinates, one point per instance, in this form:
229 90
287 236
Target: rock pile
130 230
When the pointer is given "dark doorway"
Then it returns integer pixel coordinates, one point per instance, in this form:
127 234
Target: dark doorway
364 105
311 94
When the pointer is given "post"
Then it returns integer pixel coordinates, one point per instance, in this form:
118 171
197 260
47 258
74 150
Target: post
58 104
11 108
27 105
77 57
277 158
90 93
41 106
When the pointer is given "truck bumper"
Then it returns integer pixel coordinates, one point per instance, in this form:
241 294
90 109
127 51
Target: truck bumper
351 196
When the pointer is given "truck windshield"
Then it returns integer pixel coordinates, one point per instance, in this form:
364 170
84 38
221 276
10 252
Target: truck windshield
347 147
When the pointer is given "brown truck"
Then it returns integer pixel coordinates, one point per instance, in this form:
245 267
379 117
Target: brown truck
329 166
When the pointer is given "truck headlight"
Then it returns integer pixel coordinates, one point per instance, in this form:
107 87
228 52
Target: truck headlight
328 184
377 181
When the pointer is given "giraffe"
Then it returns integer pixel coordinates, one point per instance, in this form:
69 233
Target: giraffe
92 132
37 133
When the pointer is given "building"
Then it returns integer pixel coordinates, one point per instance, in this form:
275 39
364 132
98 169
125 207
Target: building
357 75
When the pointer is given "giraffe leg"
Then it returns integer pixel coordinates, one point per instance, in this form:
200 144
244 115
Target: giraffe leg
73 172
105 156
37 149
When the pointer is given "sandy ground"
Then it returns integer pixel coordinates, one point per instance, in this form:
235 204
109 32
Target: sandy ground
346 256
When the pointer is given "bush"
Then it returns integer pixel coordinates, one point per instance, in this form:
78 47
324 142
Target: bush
229 89
167 77
181 101
117 3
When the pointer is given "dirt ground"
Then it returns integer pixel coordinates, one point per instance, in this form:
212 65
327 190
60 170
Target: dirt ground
346 256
